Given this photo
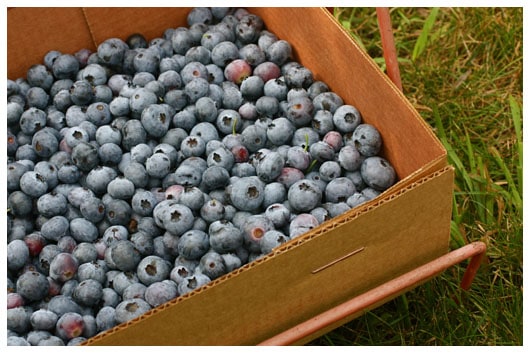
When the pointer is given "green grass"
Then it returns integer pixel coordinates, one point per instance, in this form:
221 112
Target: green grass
462 70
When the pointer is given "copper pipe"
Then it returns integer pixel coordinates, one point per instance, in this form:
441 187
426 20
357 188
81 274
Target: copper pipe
389 47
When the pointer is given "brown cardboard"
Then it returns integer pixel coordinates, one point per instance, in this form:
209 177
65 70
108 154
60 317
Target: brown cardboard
405 227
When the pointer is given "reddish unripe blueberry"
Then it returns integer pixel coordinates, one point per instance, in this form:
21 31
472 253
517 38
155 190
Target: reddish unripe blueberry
54 287
173 192
289 176
14 300
63 146
240 153
100 248
63 267
334 139
237 70
35 242
70 325
267 71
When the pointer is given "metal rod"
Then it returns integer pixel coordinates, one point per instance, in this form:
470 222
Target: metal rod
389 47
386 290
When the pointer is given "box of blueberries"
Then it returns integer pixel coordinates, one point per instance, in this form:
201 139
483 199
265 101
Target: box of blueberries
205 176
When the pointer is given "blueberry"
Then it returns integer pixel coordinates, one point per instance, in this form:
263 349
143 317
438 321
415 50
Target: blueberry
274 192
346 118
111 51
160 292
253 229
247 193
378 173
39 75
248 29
55 228
196 89
193 70
339 190
224 236
199 15
272 239
215 177
155 120
65 66
232 97
279 52
356 199
140 99
221 157
212 265
298 157
367 139
123 255
192 282
192 197
88 292
153 269
254 137
322 151
336 208
289 176
198 53
32 285
18 319
301 224
207 131
37 97
212 210
85 252
43 319
327 101
279 214
63 267
228 122
270 167
300 111
106 318
304 195
92 270
15 171
349 158
85 156
32 120
223 53
20 204
179 273
123 280
118 212
237 70
98 179
121 188
330 170
45 143
177 218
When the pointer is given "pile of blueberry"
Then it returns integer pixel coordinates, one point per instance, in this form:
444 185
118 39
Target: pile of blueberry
146 169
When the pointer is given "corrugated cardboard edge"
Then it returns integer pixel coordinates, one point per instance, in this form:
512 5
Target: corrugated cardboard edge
287 311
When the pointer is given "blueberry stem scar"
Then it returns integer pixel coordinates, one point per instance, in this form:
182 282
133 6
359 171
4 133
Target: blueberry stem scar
337 260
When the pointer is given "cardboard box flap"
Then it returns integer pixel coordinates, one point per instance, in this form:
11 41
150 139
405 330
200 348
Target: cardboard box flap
327 266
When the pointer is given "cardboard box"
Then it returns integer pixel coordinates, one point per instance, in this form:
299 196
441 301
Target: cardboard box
406 226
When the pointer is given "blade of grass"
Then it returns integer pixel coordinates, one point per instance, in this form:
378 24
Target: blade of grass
518 125
514 191
423 39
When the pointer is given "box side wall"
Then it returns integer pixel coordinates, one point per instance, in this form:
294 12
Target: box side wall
33 31
300 280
